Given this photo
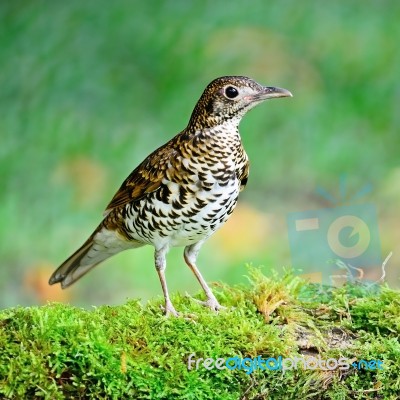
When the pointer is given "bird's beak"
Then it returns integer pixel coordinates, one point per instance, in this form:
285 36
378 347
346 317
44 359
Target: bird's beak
270 92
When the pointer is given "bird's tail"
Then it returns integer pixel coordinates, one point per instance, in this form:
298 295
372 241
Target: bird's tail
73 268
100 246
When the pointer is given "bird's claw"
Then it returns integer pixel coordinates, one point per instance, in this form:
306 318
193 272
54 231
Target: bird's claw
169 309
211 303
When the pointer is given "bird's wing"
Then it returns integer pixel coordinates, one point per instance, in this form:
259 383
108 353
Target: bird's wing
243 175
146 178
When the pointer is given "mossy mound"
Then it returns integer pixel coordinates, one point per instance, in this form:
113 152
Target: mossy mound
132 351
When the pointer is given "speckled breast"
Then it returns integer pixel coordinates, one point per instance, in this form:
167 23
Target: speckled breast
179 215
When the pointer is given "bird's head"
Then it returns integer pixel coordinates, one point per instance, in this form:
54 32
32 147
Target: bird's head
229 98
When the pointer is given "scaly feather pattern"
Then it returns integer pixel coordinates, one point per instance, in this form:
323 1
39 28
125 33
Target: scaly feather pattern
183 191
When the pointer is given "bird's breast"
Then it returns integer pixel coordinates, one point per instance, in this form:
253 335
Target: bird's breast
197 194
183 213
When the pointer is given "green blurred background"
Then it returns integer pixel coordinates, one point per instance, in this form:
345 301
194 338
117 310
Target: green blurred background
88 89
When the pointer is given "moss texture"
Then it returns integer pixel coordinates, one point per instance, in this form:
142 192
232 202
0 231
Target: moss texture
58 351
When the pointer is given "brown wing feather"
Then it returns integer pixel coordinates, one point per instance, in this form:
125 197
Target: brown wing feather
146 178
243 176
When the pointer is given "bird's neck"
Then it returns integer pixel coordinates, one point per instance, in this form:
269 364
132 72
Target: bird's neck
221 133
223 139
200 120
213 125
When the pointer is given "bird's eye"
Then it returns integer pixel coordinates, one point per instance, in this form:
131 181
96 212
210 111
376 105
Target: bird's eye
231 92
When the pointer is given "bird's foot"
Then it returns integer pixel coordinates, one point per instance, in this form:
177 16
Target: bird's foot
211 303
169 309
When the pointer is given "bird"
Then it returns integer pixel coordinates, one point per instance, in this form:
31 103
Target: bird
182 192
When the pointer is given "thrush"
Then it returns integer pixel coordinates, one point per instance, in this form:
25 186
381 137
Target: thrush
183 191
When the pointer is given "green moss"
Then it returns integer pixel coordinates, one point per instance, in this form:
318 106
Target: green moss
132 351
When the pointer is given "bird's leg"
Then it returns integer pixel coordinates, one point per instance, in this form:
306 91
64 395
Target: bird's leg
191 252
161 264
